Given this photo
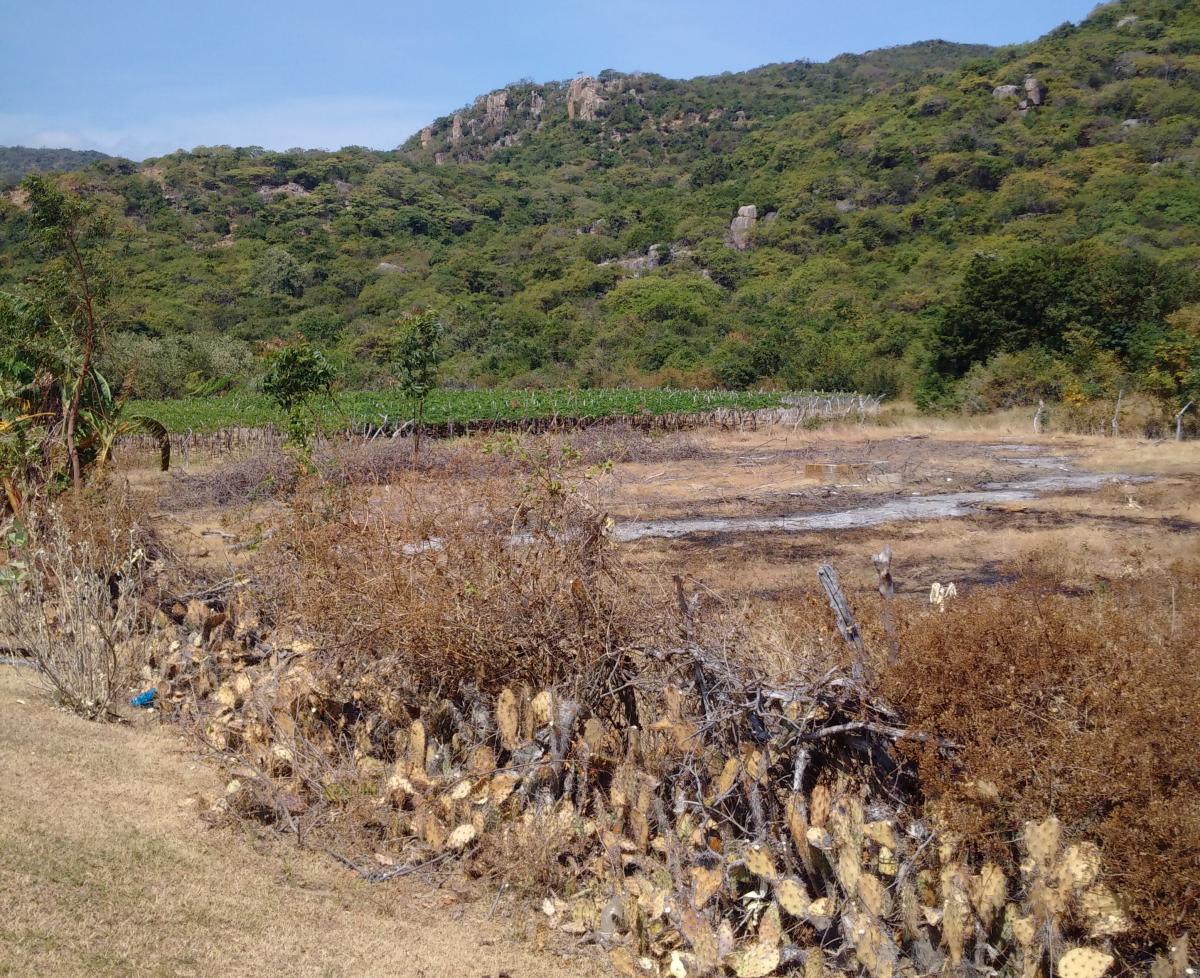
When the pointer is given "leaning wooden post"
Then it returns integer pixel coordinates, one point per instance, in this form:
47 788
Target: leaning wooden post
687 613
1179 420
1038 415
846 625
1116 418
887 590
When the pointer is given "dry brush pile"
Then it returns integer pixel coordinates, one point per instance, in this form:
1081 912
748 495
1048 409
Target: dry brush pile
474 676
74 590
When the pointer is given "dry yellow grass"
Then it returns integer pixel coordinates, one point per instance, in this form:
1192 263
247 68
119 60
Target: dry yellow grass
106 870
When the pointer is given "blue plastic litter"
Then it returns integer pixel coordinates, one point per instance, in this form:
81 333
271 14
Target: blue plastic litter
145 699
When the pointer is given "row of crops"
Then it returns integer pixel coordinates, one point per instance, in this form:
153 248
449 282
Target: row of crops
386 408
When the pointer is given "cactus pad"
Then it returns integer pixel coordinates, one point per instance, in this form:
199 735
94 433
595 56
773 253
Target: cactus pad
507 718
988 892
756 961
542 708
461 837
705 884
1084 962
760 862
792 896
1042 840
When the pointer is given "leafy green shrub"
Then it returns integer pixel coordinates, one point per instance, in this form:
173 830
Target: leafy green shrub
298 374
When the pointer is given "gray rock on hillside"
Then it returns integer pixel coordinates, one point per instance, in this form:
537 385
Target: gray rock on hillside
639 264
742 225
584 101
267 192
496 108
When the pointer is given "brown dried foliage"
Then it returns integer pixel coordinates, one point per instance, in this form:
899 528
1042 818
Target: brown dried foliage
240 482
478 587
390 597
1085 707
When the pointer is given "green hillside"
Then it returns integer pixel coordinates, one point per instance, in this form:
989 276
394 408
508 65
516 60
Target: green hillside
17 161
952 221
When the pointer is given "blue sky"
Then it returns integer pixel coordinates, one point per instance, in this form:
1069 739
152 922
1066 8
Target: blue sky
139 78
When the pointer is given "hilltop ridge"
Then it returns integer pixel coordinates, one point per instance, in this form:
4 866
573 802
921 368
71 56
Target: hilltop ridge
16 161
631 104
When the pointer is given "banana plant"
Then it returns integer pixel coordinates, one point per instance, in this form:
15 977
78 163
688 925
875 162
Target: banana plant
40 370
101 433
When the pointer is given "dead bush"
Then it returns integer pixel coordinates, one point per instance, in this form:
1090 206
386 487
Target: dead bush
73 606
542 854
263 475
617 442
1081 706
476 587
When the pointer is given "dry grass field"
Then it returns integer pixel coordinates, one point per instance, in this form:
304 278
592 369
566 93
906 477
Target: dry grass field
108 872
404 592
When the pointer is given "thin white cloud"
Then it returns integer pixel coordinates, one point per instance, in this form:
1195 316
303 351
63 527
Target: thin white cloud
318 122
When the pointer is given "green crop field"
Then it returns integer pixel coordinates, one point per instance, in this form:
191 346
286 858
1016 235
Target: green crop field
205 414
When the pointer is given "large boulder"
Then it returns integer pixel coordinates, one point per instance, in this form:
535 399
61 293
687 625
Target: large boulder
742 225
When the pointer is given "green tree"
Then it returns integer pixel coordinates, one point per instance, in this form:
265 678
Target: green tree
278 273
296 376
418 357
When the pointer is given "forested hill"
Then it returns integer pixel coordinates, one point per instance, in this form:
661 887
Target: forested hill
958 222
16 161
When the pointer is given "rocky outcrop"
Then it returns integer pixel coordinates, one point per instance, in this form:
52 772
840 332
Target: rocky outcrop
426 136
1029 93
536 104
639 264
1127 21
741 226
495 109
584 101
267 192
456 129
